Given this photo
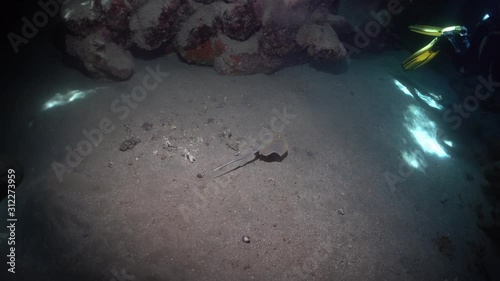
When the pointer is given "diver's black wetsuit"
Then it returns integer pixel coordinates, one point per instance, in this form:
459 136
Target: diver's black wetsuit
483 55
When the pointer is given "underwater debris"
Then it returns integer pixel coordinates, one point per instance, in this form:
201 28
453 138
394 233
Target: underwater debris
188 156
168 145
147 126
271 181
245 239
129 143
226 133
234 145
445 246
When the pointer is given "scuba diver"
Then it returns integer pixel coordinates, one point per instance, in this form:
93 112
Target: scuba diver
477 54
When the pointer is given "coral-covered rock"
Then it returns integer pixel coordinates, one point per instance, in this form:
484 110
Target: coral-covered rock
279 42
194 40
116 14
321 42
339 23
290 14
136 4
204 54
240 21
238 58
121 38
205 1
236 36
155 22
101 58
309 28
82 17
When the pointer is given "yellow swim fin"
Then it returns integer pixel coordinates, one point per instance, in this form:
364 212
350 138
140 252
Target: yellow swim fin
428 52
422 56
427 29
437 31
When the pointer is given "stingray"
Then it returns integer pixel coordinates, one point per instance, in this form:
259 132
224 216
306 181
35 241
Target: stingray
276 145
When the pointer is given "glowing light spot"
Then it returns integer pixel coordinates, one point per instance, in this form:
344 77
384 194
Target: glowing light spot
447 29
448 143
435 97
63 99
411 161
68 13
486 16
429 100
403 88
424 131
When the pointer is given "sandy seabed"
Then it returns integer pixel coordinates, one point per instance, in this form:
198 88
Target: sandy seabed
342 204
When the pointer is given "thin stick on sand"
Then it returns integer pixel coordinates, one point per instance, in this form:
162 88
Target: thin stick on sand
234 161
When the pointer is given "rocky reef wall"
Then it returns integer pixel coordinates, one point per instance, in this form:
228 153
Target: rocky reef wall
235 37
